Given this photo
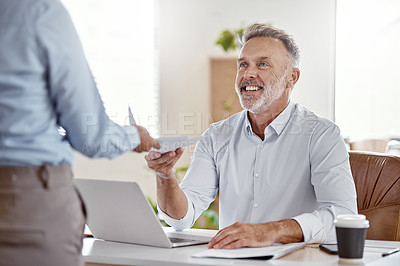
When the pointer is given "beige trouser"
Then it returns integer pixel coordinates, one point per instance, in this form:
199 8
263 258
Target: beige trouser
41 217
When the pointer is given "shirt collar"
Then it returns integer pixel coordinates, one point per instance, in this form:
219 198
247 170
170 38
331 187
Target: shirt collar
247 125
282 119
277 125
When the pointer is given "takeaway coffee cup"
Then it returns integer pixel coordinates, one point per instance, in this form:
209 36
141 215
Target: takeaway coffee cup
351 231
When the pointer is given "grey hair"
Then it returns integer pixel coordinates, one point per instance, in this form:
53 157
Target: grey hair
261 30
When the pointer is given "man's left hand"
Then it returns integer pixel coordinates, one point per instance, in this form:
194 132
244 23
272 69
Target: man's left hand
257 235
244 235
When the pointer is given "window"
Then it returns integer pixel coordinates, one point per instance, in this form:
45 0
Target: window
118 39
368 54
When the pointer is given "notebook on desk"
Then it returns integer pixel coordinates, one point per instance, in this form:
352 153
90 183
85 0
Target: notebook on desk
119 211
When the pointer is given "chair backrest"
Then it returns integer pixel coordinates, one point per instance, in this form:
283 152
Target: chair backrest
374 145
377 179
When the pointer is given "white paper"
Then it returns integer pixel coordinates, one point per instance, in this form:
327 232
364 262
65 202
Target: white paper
132 120
171 144
271 252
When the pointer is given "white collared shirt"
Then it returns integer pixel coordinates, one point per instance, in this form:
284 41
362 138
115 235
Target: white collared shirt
299 171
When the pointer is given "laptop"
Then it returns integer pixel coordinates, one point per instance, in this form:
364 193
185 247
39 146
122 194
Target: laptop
119 211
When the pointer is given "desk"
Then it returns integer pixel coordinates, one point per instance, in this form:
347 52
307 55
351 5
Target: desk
98 252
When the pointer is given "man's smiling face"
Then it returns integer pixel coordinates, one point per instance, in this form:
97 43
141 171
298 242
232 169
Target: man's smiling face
262 70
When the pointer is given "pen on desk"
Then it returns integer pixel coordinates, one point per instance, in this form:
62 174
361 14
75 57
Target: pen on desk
390 252
131 118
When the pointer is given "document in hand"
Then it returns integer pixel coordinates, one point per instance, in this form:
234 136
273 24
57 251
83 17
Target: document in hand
171 144
272 252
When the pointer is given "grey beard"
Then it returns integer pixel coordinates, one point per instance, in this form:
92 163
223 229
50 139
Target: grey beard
268 96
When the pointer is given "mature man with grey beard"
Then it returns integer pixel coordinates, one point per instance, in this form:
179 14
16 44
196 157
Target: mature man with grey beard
282 171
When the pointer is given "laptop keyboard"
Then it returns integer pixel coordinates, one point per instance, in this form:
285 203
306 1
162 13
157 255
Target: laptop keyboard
180 240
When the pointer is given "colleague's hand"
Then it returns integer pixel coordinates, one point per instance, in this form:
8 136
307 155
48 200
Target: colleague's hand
146 141
163 164
244 235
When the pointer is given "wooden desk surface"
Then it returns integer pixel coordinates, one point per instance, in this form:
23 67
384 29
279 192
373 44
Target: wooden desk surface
102 253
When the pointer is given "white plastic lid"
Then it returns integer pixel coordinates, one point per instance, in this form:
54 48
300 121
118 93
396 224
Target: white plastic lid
351 221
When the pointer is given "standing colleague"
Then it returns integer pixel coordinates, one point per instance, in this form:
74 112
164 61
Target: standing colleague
45 82
282 171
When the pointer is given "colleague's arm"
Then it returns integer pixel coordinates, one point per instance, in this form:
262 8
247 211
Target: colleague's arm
257 235
73 91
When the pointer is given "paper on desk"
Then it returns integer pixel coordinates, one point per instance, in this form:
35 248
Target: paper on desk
267 253
171 144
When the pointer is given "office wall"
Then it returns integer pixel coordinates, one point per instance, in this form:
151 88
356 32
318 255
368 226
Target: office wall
187 32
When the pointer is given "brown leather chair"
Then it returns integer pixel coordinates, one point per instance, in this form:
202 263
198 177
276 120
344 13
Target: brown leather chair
377 179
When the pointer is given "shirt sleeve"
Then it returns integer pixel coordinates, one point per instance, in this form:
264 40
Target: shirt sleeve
181 224
333 184
73 92
200 184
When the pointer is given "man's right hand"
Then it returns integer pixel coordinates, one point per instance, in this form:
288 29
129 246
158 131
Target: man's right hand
163 164
170 197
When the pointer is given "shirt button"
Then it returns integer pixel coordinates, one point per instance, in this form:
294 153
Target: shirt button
255 205
261 146
257 175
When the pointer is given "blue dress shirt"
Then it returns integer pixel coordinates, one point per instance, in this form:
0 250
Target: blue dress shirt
299 171
45 82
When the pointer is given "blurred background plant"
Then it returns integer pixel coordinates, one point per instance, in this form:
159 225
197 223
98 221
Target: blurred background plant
228 39
209 219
